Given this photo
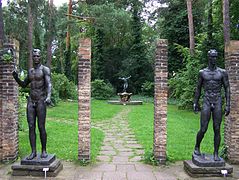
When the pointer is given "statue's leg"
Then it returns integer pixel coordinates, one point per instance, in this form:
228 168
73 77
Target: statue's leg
204 120
217 119
41 114
31 119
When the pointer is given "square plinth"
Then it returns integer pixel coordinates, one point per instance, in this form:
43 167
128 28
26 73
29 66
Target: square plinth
196 171
37 170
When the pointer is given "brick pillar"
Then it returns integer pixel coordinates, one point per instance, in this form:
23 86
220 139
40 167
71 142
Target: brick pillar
84 95
160 101
232 121
8 113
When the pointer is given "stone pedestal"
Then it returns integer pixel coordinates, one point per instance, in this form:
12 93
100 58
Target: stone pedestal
125 97
35 167
205 166
125 100
197 171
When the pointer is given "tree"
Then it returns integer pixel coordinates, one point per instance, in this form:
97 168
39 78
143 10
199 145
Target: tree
190 27
30 33
1 26
226 22
50 34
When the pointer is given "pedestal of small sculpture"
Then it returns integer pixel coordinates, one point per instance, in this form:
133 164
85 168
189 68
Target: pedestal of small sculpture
204 165
35 166
125 97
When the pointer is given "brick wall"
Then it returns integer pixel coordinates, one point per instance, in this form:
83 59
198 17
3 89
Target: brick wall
8 113
84 95
160 100
232 121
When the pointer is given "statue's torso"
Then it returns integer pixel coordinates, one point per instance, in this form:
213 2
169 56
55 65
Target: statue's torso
37 79
212 83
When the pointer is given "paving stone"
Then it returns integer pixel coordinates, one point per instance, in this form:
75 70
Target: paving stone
125 167
104 158
114 176
140 176
128 153
108 153
104 167
120 159
143 167
107 148
164 176
134 146
135 159
90 175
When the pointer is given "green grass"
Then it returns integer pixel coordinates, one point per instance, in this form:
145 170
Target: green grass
182 127
62 129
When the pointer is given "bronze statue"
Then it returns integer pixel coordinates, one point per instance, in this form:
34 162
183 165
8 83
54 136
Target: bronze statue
40 95
211 79
125 86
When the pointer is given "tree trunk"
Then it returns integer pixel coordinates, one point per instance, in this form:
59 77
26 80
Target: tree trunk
68 26
50 34
226 22
210 26
30 32
190 27
1 26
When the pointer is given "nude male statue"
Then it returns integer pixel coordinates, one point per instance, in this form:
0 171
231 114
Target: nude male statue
40 95
125 86
211 79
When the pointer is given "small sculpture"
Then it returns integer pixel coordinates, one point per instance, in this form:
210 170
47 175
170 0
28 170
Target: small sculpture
125 86
40 95
212 79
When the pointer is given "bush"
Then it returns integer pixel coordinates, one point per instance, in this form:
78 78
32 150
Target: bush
183 84
62 88
147 88
101 90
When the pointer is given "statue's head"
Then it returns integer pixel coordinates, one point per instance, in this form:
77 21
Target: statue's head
36 54
212 56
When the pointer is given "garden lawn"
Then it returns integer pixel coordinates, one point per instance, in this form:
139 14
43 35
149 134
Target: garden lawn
62 130
182 127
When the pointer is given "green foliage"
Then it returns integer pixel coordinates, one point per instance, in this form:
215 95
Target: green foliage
182 85
22 101
150 159
7 58
62 88
182 127
147 88
62 129
101 90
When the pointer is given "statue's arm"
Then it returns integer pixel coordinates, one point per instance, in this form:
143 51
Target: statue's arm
198 92
226 86
21 83
47 76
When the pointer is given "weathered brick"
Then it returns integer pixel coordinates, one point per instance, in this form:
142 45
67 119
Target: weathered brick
84 95
231 122
160 101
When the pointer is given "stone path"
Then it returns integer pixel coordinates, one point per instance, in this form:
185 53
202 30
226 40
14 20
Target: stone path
120 146
119 159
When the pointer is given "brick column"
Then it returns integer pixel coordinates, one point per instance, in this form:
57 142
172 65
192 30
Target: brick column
8 113
160 101
232 121
84 95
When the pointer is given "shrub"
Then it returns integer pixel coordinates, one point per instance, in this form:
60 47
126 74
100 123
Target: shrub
101 90
182 85
147 88
62 88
